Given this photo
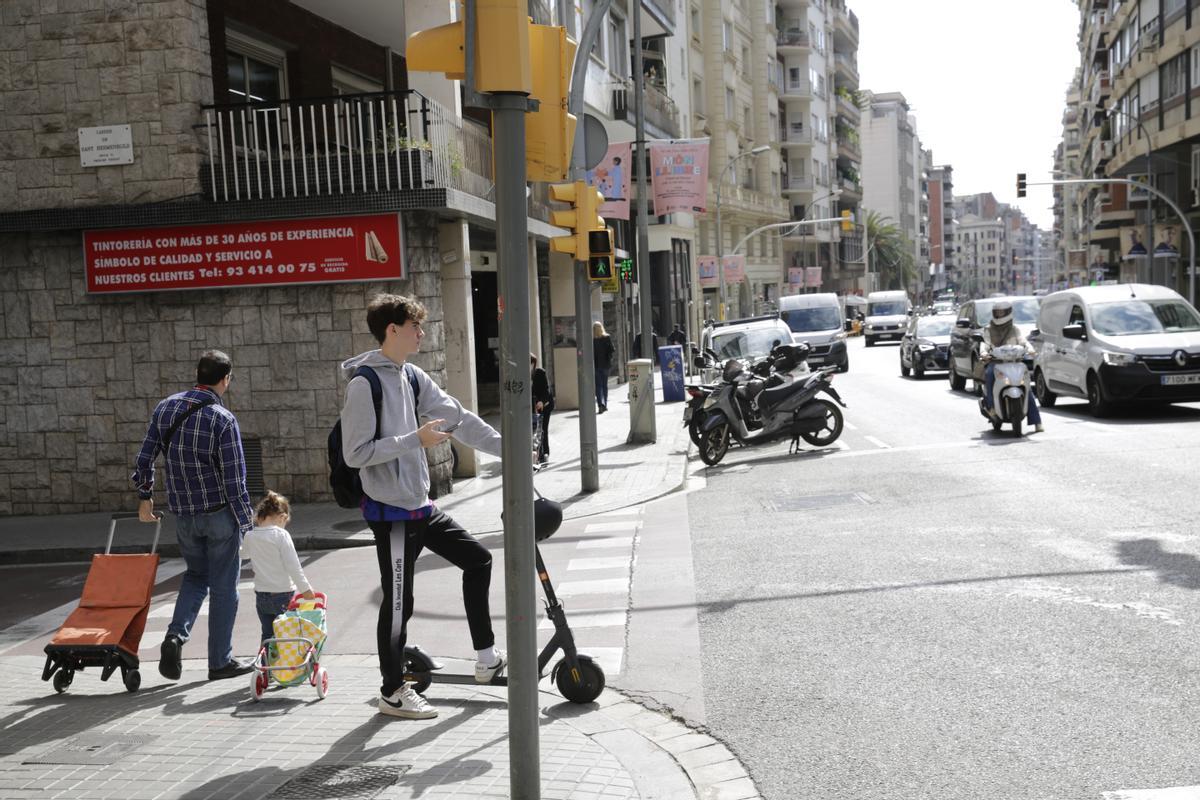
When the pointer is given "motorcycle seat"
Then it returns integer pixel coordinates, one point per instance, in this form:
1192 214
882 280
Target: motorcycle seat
776 395
748 391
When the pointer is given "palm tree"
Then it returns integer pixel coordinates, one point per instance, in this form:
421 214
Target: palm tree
890 251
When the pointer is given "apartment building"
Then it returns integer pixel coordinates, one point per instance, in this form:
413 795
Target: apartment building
1130 115
942 253
980 244
893 177
245 176
816 72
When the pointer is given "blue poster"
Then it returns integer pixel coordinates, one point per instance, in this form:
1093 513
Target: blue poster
670 360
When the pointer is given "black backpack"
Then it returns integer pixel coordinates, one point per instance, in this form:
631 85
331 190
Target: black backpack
343 478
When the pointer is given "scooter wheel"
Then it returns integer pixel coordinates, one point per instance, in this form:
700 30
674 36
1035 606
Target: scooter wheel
582 687
714 444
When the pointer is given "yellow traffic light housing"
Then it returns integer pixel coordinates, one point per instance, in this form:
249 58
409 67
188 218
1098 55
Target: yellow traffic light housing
581 219
501 48
550 131
847 221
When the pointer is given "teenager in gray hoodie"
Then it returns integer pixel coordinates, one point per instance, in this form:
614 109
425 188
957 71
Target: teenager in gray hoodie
395 479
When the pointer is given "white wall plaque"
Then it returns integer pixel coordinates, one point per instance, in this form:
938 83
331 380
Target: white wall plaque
107 146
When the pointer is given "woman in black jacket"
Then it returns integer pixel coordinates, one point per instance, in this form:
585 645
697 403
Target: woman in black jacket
602 355
543 404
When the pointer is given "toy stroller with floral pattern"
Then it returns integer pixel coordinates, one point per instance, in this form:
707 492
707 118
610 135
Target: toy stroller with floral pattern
293 655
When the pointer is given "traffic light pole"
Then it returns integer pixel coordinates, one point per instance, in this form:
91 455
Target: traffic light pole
644 273
589 462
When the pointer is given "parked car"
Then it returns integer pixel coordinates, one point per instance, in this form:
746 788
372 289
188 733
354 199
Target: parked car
973 317
1117 344
746 339
887 315
926 344
816 320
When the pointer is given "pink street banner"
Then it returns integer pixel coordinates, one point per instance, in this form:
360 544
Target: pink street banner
679 175
611 177
735 268
796 277
814 277
707 267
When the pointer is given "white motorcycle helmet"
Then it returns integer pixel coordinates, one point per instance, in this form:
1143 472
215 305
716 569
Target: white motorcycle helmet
1002 312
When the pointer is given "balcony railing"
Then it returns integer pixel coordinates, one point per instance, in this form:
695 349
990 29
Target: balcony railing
791 36
848 61
350 144
798 183
847 108
800 88
661 111
796 133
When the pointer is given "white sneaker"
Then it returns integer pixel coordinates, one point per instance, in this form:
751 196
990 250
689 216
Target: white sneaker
406 703
485 674
1039 428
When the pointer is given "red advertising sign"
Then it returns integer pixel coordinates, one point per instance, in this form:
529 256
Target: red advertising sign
257 253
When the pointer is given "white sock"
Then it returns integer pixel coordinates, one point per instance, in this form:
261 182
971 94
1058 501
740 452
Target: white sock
487 656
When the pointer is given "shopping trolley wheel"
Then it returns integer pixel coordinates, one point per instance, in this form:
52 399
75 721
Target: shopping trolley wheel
321 681
62 679
258 684
133 680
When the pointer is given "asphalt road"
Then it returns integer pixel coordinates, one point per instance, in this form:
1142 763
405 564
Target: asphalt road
939 611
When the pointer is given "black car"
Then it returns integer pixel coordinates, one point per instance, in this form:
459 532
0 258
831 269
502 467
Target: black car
926 344
973 317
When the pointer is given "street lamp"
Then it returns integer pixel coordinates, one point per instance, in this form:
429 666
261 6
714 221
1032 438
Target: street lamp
762 148
836 193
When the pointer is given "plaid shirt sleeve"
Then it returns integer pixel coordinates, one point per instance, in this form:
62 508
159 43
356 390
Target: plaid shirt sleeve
143 468
233 473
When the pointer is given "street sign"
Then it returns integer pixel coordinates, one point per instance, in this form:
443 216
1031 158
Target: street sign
595 141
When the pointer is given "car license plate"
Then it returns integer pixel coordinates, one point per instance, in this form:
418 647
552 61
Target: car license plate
687 413
1177 380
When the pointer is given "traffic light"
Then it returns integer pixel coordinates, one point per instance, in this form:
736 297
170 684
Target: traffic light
600 255
625 269
847 221
1020 184
502 53
582 219
550 131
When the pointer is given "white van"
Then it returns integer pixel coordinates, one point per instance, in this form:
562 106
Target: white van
887 316
1119 343
816 320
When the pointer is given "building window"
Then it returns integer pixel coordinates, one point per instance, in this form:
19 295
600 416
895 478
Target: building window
749 120
727 35
618 47
1172 78
347 82
696 24
745 58
255 71
698 96
729 104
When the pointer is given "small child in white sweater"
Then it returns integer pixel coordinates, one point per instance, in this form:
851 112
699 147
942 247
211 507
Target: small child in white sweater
277 570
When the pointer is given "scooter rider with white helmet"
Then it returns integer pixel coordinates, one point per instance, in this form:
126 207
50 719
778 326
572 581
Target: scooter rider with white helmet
1001 331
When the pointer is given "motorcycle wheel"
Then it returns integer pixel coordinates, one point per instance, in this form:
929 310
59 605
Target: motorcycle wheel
694 430
833 426
714 444
1016 414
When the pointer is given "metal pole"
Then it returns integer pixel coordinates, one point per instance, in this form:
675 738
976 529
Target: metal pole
508 124
589 462
720 251
645 285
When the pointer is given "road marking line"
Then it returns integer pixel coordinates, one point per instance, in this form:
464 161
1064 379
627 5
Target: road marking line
840 445
609 658
599 618
1174 793
880 444
599 562
631 511
604 544
600 527
599 586
850 426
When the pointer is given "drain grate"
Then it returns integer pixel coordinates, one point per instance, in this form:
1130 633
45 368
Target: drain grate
340 782
92 749
817 501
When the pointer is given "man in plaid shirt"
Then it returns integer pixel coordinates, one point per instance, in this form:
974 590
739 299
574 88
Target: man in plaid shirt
206 490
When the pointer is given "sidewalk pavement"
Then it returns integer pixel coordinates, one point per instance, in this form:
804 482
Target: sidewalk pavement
197 739
629 474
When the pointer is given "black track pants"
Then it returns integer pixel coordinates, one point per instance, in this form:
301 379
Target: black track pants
397 545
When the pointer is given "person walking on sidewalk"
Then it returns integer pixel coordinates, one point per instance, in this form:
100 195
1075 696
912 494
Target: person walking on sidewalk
277 570
395 481
206 491
543 404
602 356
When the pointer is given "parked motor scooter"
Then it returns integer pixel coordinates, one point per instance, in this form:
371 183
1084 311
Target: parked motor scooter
753 410
1010 394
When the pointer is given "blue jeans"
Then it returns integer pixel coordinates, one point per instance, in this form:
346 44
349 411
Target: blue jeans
601 387
270 605
209 544
989 386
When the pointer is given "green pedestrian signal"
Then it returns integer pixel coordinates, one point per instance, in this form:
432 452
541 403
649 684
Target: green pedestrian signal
600 268
625 269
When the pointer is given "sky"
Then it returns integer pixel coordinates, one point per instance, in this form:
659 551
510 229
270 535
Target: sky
986 81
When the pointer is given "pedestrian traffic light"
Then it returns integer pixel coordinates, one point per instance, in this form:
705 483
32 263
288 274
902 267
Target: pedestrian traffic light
625 269
1020 184
847 221
600 255
582 219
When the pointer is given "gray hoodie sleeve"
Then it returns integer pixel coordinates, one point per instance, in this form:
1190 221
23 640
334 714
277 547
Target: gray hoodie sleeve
468 428
360 448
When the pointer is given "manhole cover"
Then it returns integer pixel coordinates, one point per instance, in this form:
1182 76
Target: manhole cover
340 782
92 749
817 501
